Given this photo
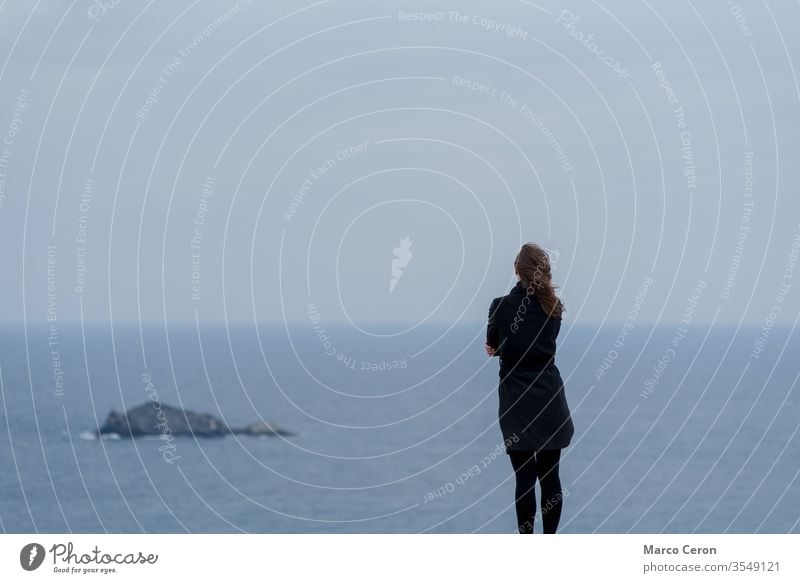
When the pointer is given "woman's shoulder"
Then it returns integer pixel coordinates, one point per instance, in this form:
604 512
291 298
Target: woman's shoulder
497 301
516 301
500 302
515 292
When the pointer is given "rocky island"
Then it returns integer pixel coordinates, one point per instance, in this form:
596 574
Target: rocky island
158 419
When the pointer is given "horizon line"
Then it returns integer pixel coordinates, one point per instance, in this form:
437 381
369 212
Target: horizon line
296 323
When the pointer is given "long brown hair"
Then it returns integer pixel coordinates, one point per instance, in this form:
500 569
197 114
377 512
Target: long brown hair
532 265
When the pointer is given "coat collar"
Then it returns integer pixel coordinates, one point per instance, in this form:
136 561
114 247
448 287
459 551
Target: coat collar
518 289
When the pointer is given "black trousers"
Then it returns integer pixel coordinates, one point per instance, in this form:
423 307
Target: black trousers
528 467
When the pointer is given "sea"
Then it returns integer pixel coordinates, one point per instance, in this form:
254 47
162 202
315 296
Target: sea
394 429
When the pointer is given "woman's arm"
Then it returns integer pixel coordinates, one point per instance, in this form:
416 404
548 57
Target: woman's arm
492 334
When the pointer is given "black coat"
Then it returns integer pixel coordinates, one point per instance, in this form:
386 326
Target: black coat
533 411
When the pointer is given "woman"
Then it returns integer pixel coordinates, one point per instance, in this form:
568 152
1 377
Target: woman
534 416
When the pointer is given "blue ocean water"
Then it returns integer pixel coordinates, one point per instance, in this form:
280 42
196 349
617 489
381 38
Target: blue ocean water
395 432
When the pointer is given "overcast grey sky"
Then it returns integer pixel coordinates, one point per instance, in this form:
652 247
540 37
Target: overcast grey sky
282 152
